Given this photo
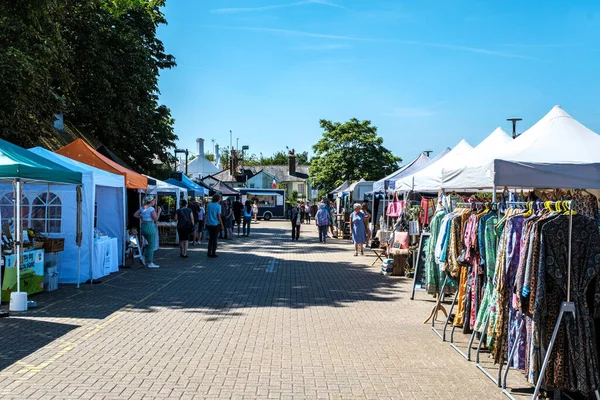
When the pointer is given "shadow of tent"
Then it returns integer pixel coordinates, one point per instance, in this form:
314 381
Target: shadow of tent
20 337
204 287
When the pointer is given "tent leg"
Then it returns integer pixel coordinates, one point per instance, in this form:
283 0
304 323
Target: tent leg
79 265
18 299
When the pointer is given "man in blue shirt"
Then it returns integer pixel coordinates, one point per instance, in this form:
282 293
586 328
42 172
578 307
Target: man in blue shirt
214 221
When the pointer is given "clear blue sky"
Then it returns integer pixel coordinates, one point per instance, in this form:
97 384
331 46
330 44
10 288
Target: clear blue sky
426 73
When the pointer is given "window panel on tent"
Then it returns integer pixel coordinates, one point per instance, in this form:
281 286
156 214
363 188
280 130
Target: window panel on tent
7 209
46 213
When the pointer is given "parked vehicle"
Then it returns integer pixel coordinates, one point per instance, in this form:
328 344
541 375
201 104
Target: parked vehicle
271 202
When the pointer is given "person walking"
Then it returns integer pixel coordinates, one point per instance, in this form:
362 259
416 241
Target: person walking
322 220
185 225
247 218
214 221
229 221
199 224
296 221
148 214
225 215
367 212
359 236
307 212
255 210
238 208
331 208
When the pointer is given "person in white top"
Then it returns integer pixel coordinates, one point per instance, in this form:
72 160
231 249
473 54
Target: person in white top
149 215
255 210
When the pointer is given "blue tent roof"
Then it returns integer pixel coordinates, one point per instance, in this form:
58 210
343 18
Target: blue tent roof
186 183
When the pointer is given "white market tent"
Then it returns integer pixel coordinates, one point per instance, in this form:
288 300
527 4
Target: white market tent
103 195
166 188
464 174
382 185
556 152
429 179
359 189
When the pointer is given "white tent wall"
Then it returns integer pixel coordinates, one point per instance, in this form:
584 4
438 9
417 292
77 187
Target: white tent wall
111 209
98 187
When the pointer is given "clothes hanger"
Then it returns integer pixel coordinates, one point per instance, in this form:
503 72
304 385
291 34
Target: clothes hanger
529 211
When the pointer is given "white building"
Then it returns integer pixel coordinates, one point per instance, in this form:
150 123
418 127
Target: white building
200 167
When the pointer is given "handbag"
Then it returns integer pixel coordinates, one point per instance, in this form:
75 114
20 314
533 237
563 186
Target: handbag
395 207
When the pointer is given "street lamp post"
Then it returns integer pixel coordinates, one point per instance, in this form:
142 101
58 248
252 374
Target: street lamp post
514 121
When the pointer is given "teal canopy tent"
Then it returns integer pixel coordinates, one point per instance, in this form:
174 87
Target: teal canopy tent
18 166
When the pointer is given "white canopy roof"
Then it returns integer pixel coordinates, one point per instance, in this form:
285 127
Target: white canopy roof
466 174
429 179
556 152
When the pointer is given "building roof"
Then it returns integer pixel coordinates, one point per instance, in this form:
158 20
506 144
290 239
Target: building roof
279 172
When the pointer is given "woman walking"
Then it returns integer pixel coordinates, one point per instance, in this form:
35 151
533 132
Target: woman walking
296 221
359 236
185 225
255 210
247 218
149 216
365 210
322 219
214 220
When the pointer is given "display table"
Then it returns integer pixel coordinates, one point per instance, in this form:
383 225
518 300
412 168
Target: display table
167 233
32 273
106 257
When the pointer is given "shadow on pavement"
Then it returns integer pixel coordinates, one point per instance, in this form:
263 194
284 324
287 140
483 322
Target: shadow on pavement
20 337
237 280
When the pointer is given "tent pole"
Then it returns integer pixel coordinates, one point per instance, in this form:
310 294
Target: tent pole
18 232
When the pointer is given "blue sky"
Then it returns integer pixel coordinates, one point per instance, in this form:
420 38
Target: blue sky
426 73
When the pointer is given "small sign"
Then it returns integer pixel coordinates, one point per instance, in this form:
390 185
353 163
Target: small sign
314 194
279 200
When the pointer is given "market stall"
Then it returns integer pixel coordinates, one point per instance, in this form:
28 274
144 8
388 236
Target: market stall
523 264
103 219
19 167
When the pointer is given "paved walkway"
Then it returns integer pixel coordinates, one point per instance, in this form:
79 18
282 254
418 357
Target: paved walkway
270 318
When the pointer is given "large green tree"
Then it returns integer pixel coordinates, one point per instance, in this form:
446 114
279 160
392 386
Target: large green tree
350 151
114 60
96 61
32 76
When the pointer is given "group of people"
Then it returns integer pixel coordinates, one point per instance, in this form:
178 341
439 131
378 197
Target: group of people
218 217
325 221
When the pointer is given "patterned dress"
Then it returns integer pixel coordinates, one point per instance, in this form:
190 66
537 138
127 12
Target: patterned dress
573 363
433 277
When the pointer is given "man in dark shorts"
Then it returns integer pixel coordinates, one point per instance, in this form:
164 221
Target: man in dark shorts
237 213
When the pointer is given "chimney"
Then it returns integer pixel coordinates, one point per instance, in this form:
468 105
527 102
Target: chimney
200 145
217 158
292 162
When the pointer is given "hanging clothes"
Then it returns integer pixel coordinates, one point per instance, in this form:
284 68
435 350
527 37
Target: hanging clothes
433 277
573 363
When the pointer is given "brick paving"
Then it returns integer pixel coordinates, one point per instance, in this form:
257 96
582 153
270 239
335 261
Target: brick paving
269 319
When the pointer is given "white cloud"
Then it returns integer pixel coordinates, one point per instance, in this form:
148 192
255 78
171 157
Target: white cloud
467 49
237 10
324 47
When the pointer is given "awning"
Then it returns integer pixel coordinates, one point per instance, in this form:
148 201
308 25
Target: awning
80 151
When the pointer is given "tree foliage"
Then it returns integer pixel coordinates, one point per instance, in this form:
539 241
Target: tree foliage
96 61
31 73
350 151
